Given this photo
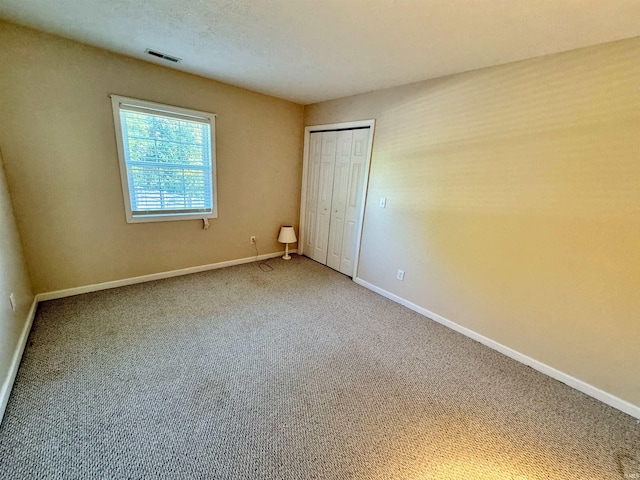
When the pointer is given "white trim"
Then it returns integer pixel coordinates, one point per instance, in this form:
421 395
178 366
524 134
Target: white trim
305 169
187 113
598 394
7 386
68 292
303 192
341 125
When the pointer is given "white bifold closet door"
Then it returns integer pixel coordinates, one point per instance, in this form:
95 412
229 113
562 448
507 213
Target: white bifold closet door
335 193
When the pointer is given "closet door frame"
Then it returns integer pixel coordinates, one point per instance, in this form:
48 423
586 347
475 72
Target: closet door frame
365 180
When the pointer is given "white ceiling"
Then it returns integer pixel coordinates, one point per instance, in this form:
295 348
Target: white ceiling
312 50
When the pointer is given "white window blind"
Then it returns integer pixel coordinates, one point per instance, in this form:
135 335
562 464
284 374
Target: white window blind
167 161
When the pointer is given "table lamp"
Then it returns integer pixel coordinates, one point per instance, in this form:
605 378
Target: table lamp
287 236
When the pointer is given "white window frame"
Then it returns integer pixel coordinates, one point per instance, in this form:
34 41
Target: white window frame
171 111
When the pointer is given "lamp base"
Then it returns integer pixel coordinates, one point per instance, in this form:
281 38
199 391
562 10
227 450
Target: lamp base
287 257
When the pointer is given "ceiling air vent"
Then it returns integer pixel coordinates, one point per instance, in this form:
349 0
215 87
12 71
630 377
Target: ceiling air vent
163 56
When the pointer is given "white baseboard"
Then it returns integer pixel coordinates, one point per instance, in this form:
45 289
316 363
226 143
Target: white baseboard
5 391
68 292
579 385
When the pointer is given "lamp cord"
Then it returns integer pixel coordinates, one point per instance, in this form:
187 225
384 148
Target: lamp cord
264 265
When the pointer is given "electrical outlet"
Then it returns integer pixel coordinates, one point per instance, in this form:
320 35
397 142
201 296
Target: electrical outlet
400 275
12 300
252 240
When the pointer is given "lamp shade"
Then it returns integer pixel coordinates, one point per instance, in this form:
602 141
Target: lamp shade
287 235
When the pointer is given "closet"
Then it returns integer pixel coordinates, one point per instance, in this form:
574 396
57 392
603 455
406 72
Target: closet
334 196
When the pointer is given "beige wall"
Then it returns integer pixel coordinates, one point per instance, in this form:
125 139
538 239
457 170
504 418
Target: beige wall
59 146
13 279
513 204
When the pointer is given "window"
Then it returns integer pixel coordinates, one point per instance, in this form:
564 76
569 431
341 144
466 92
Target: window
167 161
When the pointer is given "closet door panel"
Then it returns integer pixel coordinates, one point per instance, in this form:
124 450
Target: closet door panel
325 192
354 198
311 205
339 198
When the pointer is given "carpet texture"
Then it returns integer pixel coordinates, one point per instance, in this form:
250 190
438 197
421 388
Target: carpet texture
294 373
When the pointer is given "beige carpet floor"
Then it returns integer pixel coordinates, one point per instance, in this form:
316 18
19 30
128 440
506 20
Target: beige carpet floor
294 373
